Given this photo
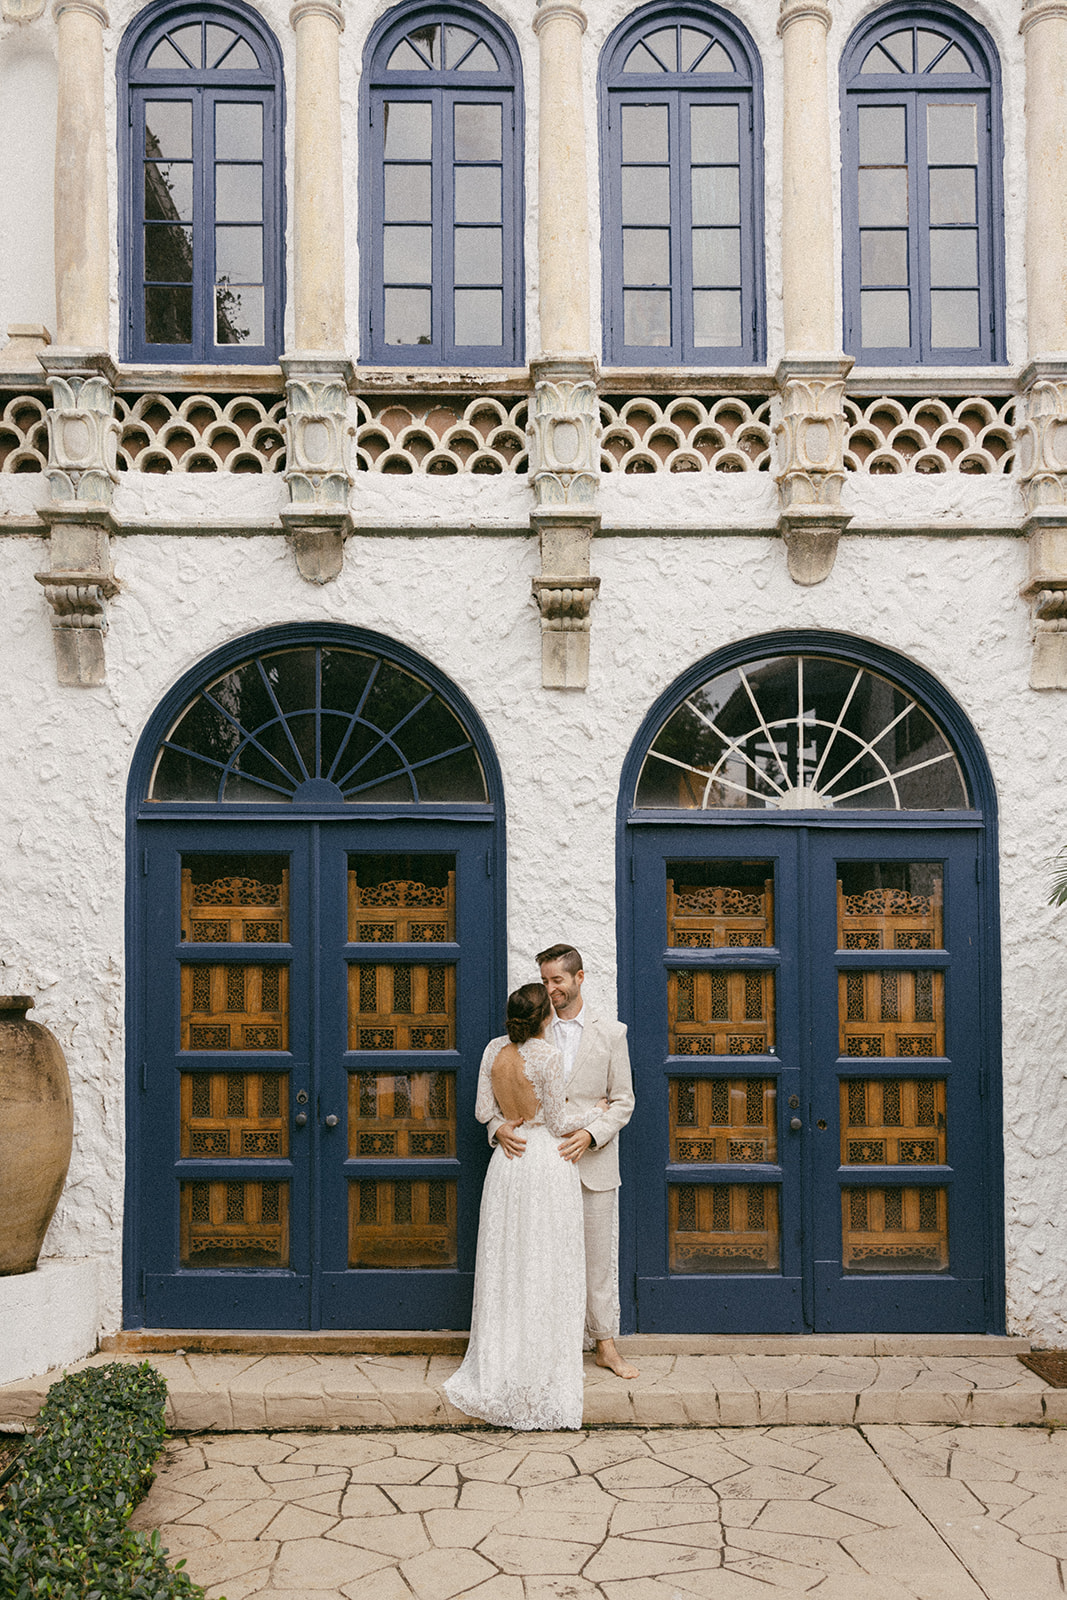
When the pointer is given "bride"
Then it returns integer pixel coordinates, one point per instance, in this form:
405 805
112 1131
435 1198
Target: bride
523 1367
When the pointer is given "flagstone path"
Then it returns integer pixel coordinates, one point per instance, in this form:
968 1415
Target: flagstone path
914 1512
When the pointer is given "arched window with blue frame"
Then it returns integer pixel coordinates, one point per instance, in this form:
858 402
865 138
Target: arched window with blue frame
442 181
681 112
203 200
923 205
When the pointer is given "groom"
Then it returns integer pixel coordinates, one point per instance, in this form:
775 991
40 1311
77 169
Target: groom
596 1067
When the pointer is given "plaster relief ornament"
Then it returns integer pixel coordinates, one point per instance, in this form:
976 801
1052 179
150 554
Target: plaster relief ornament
22 10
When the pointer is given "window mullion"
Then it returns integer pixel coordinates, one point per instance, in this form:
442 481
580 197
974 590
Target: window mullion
444 188
204 233
680 152
919 228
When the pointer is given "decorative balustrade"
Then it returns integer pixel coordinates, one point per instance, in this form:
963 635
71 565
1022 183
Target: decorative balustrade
889 435
23 433
200 433
442 435
687 434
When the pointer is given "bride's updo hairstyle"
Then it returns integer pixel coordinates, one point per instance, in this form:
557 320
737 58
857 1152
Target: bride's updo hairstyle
527 1009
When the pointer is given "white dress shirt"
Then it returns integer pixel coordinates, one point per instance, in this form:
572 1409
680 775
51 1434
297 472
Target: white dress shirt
567 1034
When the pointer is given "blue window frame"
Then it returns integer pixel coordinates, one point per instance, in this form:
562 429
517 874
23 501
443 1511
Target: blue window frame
923 198
202 265
442 170
682 190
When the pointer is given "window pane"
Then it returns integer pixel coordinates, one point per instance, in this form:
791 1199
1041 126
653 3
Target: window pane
407 194
952 195
168 316
722 1119
481 59
646 194
723 1227
644 133
408 130
646 255
716 256
716 194
713 133
694 43
407 316
478 255
239 255
716 317
477 133
954 319
168 254
930 46
238 316
954 258
407 255
168 128
189 42
883 256
891 905
428 40
165 58
664 45
883 136
899 46
894 1230
951 134
457 43
405 59
219 41
226 51
885 321
883 196
477 194
479 316
953 60
647 316
239 132
168 191
239 193
876 60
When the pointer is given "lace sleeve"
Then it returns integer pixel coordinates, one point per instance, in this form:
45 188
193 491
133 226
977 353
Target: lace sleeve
485 1106
544 1068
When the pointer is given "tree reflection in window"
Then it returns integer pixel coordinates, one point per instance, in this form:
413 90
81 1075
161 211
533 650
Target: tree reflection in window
318 724
801 733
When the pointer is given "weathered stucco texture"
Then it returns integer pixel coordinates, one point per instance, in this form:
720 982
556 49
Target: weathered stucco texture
464 602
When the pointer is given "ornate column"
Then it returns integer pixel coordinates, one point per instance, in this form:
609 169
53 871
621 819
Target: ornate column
564 428
318 372
1042 442
811 375
82 431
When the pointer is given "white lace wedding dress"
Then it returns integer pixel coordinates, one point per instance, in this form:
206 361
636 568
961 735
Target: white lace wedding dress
523 1367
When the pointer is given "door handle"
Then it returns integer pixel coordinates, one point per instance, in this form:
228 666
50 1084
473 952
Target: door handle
300 1119
795 1124
331 1121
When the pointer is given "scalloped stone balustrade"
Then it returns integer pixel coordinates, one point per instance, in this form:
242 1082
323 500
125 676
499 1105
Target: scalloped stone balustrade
442 435
973 435
23 433
199 433
685 435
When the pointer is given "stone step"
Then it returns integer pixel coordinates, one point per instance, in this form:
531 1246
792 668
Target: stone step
742 1387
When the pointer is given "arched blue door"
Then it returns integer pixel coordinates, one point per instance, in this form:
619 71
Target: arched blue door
314 918
808 961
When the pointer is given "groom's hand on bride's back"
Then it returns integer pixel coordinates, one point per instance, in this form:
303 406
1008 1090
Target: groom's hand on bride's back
510 1140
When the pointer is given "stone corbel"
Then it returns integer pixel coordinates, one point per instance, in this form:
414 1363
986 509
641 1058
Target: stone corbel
1041 460
317 518
564 436
82 450
811 463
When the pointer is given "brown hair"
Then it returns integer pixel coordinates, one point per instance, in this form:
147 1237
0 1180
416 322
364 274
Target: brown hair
564 953
527 1009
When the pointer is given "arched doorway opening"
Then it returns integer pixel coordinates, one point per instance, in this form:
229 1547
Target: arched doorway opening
809 962
315 925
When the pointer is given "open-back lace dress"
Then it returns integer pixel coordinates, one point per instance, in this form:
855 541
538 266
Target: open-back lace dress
523 1367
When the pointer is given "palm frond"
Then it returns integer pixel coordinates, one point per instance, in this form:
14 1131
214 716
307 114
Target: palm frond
1058 887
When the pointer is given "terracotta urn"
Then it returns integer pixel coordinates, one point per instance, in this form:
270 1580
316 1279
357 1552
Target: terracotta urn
36 1133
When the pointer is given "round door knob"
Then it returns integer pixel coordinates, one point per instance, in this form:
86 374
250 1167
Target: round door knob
796 1124
331 1121
300 1118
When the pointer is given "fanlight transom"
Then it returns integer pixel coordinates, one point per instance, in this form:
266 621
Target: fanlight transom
801 733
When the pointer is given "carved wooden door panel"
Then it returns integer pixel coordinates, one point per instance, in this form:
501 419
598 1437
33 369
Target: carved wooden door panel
809 1073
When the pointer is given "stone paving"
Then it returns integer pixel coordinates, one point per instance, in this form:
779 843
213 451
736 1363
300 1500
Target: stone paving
916 1512
809 1385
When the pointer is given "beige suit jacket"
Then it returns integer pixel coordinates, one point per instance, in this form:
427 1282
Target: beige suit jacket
602 1069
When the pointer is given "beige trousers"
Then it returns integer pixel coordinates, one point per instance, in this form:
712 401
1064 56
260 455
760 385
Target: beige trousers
601 1207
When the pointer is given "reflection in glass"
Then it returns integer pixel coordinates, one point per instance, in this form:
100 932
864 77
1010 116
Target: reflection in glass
647 317
885 320
644 133
724 1119
479 315
239 314
408 316
889 905
646 195
168 315
168 253
408 130
169 129
716 318
717 905
407 194
168 191
477 132
239 255
234 1224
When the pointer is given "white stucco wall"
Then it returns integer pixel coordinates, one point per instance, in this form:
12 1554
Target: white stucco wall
464 602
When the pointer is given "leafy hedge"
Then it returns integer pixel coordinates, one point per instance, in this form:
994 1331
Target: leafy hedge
63 1533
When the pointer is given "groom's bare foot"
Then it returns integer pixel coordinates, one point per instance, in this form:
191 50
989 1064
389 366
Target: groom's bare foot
608 1356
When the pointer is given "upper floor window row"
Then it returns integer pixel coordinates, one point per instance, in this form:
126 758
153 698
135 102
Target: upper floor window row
442 203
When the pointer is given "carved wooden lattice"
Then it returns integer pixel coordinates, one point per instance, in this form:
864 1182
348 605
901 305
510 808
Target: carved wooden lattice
233 1115
401 911
398 1007
401 1222
401 1115
723 1227
234 1007
235 1224
893 1122
889 919
724 917
235 910
723 1119
895 1230
720 1012
891 1013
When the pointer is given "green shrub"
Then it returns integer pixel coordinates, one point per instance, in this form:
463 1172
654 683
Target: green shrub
63 1533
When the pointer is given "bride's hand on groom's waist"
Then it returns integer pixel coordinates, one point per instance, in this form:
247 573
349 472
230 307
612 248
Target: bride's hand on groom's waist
510 1140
